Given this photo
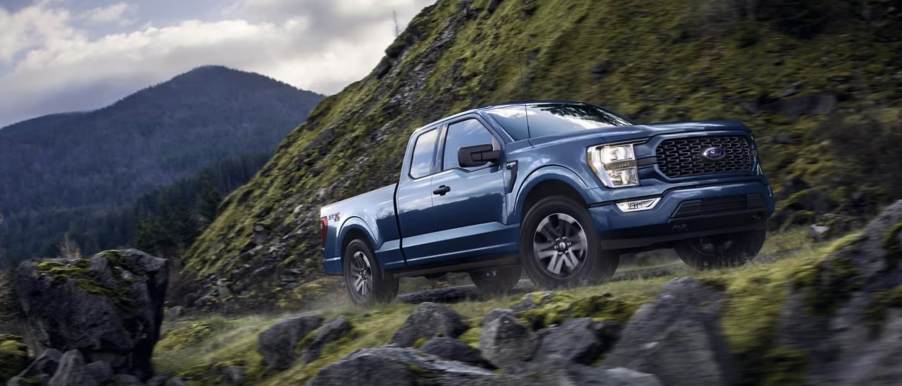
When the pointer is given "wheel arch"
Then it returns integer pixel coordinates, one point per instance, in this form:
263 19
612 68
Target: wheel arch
550 181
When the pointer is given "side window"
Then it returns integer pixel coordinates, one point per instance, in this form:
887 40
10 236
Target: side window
462 134
423 152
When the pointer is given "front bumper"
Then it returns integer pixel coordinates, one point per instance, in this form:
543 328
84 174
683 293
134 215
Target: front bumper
685 213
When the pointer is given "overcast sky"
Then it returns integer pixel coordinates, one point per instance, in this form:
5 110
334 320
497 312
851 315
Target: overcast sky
73 55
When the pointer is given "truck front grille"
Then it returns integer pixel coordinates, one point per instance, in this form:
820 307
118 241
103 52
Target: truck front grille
682 157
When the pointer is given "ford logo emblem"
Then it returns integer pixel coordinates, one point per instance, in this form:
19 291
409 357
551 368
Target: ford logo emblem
714 153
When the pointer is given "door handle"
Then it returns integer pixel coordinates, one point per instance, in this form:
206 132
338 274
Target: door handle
442 190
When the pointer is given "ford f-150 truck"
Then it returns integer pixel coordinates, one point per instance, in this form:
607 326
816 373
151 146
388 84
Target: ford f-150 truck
557 189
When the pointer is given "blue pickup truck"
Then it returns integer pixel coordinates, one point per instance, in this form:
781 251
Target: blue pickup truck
557 189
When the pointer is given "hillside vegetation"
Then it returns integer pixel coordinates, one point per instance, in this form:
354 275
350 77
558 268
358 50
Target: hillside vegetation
817 81
80 173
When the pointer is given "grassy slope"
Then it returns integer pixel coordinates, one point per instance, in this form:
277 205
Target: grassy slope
197 347
655 61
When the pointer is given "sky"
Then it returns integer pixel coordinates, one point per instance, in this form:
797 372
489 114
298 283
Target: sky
76 55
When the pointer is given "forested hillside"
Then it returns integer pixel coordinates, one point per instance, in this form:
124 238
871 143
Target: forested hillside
80 173
817 81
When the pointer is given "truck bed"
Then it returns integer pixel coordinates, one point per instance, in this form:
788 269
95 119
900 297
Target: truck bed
373 214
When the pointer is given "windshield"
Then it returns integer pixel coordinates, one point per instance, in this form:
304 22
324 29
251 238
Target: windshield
546 119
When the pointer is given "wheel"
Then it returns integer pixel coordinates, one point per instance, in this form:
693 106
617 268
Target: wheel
559 247
496 281
721 251
364 280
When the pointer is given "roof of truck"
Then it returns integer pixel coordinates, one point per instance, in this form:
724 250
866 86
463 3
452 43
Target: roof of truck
495 106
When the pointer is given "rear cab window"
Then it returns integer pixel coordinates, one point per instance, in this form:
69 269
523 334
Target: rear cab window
423 154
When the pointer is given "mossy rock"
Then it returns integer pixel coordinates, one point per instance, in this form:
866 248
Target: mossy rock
13 356
561 307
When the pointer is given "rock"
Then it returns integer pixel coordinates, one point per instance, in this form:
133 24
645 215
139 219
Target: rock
176 381
844 317
158 380
429 320
71 371
100 371
13 356
41 368
455 350
506 343
233 375
677 337
109 307
533 300
818 232
125 380
329 332
399 366
441 295
577 340
564 374
277 343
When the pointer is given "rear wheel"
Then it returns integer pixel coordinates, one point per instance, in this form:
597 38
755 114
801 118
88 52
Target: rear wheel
559 247
365 282
496 281
721 251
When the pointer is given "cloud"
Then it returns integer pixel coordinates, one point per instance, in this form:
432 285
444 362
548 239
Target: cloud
113 13
315 45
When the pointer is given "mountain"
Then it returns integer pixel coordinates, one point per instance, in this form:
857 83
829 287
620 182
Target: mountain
76 172
817 81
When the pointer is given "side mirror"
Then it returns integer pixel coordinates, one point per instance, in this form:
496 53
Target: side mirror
477 155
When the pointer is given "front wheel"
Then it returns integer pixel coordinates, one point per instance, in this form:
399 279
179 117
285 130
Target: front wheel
559 247
496 281
365 282
721 251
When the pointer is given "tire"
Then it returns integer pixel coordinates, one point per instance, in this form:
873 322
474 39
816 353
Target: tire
560 248
721 251
364 280
496 281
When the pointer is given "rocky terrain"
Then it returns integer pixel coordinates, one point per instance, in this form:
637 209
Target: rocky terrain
823 312
809 77
826 313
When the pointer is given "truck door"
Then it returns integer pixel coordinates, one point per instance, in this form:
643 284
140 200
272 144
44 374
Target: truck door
468 203
414 195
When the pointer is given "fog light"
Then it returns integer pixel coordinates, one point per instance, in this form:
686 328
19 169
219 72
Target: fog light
638 205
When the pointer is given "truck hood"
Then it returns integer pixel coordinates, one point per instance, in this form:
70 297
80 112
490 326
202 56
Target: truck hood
626 133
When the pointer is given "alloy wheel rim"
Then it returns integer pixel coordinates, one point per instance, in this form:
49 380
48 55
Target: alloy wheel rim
361 274
560 245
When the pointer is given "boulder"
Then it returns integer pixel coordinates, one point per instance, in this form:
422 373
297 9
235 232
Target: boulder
400 366
109 307
71 371
455 350
677 337
844 316
578 340
329 332
40 370
429 320
441 295
277 344
125 380
507 343
575 374
100 371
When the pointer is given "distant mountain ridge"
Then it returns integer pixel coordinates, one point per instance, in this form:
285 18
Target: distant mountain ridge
57 169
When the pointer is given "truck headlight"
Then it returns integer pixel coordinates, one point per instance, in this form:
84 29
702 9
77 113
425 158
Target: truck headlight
615 165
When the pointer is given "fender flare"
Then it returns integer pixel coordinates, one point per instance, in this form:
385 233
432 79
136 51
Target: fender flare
548 173
351 224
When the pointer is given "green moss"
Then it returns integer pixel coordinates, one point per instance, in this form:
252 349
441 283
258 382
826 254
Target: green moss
78 271
185 336
563 307
828 285
13 356
419 342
